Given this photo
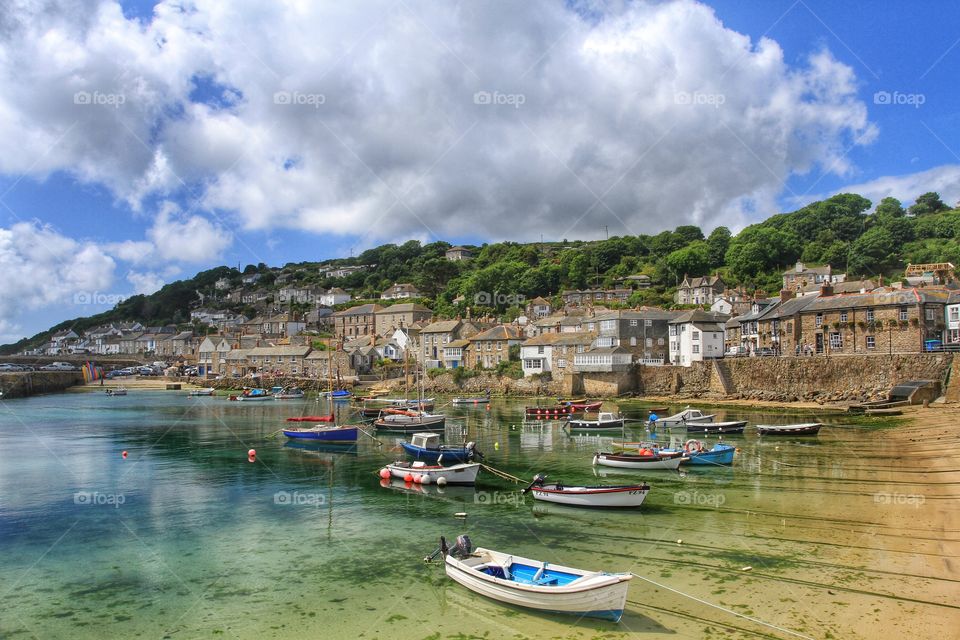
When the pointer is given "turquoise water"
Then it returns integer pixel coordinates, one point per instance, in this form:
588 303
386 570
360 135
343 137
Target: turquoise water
186 538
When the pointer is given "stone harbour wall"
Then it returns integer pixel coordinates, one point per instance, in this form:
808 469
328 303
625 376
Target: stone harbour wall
28 383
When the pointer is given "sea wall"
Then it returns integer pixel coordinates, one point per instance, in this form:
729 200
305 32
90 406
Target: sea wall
20 385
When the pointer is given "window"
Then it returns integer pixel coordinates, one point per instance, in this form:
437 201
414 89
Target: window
540 350
836 341
608 325
561 363
279 359
673 330
534 364
696 335
683 328
789 327
870 316
649 342
929 314
818 321
633 341
696 348
954 314
843 316
499 346
579 348
903 314
660 341
648 323
633 323
871 342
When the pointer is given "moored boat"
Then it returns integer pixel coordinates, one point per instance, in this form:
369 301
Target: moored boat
378 406
328 418
639 460
556 412
119 391
427 447
329 433
475 400
801 429
423 473
410 422
631 495
201 392
730 426
293 393
586 405
698 453
605 421
536 584
253 395
681 418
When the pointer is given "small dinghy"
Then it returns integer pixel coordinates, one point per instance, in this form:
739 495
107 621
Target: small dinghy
201 392
253 395
323 434
119 391
698 453
477 400
731 426
629 495
422 473
680 419
605 421
402 421
427 447
293 393
328 418
535 584
803 429
650 461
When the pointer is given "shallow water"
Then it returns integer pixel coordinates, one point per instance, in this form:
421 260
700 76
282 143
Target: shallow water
186 538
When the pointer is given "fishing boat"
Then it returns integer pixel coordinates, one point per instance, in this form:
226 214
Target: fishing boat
679 419
380 405
536 584
253 395
329 433
475 400
556 412
698 453
427 447
337 394
802 429
328 418
639 460
422 473
605 421
410 422
628 495
202 392
731 426
119 391
293 393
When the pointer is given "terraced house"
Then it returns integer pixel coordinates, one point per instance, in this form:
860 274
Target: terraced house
889 321
436 336
491 347
279 360
553 352
643 332
360 320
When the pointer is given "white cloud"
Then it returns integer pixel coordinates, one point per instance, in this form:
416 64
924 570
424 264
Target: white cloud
41 267
145 282
944 180
656 107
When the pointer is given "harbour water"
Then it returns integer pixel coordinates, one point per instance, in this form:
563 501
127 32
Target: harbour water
837 536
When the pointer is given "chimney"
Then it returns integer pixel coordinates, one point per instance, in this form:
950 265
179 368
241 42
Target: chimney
826 290
880 280
799 267
786 294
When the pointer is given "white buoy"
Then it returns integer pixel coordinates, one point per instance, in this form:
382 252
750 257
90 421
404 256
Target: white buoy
441 481
426 479
461 514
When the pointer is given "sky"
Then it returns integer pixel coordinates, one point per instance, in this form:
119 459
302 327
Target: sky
141 142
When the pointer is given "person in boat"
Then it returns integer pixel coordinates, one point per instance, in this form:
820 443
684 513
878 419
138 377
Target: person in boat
653 420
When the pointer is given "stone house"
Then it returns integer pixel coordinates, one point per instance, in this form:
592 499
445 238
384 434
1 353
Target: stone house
699 290
491 347
278 360
456 354
236 364
458 253
643 332
889 321
781 329
539 308
435 336
327 363
595 296
356 321
400 291
389 319
802 276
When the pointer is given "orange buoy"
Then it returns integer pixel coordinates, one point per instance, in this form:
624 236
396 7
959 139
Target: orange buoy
417 479
252 453
385 473
408 478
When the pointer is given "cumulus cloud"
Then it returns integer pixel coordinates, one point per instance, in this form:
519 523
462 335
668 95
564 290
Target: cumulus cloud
375 118
41 267
944 180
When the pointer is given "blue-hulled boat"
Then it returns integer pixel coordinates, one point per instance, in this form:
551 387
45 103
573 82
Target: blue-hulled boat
720 454
427 447
326 433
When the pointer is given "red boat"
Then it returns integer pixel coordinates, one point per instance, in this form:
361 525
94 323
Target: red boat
548 413
328 418
586 406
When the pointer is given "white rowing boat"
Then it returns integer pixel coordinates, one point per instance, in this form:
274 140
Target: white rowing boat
637 461
535 584
631 495
421 473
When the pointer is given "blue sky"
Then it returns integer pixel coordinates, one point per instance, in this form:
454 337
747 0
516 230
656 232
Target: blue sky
229 135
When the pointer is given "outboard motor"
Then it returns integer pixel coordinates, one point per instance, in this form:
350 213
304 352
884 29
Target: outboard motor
462 548
473 452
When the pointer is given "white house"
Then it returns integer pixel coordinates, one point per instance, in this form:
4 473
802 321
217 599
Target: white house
951 334
696 336
603 359
334 296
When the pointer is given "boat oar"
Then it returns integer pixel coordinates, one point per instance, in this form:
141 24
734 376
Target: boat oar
364 432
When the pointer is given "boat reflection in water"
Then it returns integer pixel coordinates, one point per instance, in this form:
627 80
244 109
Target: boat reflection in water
459 493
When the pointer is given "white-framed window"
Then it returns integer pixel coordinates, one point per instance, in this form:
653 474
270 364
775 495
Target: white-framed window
649 342
695 335
683 328
818 320
843 316
279 359
534 364
871 342
673 330
836 341
608 325
904 312
561 363
954 314
696 348
580 348
540 350
870 315
648 323
633 323
929 314
660 341
633 341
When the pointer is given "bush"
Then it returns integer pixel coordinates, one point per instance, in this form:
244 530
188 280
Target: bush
433 373
510 369
461 374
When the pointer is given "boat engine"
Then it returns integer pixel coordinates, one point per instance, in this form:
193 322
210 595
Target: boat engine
462 548
473 452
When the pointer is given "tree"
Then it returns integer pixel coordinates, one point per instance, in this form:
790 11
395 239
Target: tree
717 244
871 252
890 208
929 202
693 259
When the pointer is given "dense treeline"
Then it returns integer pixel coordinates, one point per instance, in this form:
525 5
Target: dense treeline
840 231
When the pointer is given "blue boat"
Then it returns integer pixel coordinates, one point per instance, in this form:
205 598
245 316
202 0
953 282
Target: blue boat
427 447
326 433
720 454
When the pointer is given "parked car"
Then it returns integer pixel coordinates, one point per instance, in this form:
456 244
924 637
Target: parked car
58 366
8 367
735 352
765 351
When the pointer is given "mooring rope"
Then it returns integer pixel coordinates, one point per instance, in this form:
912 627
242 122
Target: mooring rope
724 609
500 474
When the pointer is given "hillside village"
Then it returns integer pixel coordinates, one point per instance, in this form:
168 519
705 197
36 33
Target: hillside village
307 331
